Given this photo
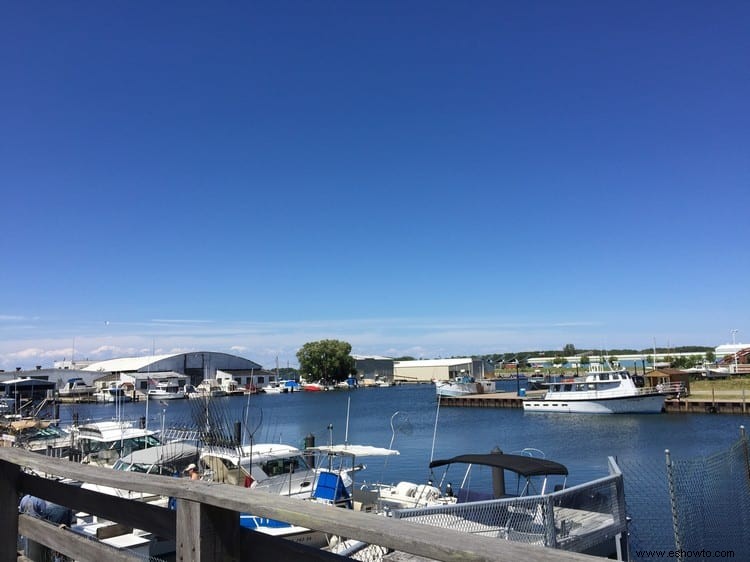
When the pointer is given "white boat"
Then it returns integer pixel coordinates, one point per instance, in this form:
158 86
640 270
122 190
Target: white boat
464 386
166 390
274 388
602 391
348 384
115 392
76 388
541 510
290 385
210 388
103 443
322 474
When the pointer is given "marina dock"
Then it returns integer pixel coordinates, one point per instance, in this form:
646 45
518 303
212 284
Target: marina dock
702 403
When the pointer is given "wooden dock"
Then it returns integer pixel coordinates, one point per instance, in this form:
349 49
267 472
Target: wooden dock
696 404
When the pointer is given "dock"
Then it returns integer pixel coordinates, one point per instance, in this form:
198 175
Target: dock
698 403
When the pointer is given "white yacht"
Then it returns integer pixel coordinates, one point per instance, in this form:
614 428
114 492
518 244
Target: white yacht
464 386
602 391
167 390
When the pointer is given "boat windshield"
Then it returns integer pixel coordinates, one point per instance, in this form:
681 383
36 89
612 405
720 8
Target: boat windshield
284 465
122 446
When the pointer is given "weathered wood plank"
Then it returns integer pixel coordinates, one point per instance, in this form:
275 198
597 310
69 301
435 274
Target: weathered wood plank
67 542
206 533
9 498
135 514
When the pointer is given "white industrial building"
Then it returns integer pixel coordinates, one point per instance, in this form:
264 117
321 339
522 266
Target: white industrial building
427 370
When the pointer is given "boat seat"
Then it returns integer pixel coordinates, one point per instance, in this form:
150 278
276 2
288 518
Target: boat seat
425 492
406 489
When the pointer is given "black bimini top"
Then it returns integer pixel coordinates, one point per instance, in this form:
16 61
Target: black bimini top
520 464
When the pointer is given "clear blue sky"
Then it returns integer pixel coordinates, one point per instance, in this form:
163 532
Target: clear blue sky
417 178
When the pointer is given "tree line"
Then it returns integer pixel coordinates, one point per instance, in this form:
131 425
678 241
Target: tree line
331 360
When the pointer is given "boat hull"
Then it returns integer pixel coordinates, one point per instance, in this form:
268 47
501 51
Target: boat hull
453 389
644 404
166 395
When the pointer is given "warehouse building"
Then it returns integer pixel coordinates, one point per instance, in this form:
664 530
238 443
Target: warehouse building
428 370
195 366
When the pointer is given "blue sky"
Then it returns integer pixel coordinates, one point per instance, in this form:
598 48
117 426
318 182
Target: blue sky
416 178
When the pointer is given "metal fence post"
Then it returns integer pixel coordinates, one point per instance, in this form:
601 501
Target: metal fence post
673 506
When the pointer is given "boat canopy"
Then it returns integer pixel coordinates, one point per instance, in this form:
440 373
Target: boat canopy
520 464
354 450
162 454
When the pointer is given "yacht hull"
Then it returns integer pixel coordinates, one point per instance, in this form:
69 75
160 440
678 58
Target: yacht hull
645 404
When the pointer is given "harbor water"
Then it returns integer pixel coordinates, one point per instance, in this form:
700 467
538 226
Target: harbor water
408 417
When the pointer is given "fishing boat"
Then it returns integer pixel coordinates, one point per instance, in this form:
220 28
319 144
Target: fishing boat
602 391
166 390
104 442
464 385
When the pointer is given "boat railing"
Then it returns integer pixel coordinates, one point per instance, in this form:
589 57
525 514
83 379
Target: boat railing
575 518
673 388
205 520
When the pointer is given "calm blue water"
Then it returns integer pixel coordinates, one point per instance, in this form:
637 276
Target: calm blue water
580 442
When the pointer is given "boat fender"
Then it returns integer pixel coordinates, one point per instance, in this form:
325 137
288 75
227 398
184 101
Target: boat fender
249 481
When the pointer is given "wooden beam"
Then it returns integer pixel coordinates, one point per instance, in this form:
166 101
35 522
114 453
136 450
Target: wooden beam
9 498
206 533
135 514
72 545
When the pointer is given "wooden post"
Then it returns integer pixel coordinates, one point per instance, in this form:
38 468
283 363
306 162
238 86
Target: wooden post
9 477
549 523
206 533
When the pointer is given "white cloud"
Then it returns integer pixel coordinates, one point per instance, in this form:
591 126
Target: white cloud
263 342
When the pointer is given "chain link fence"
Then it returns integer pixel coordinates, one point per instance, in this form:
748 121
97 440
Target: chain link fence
699 509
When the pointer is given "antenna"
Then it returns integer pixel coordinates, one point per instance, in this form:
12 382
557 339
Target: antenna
434 432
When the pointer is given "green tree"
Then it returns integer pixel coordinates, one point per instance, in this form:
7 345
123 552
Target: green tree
569 350
585 360
710 356
327 360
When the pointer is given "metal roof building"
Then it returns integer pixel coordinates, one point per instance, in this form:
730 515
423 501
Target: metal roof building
197 365
373 367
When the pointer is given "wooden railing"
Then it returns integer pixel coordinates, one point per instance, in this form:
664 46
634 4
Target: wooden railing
205 523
